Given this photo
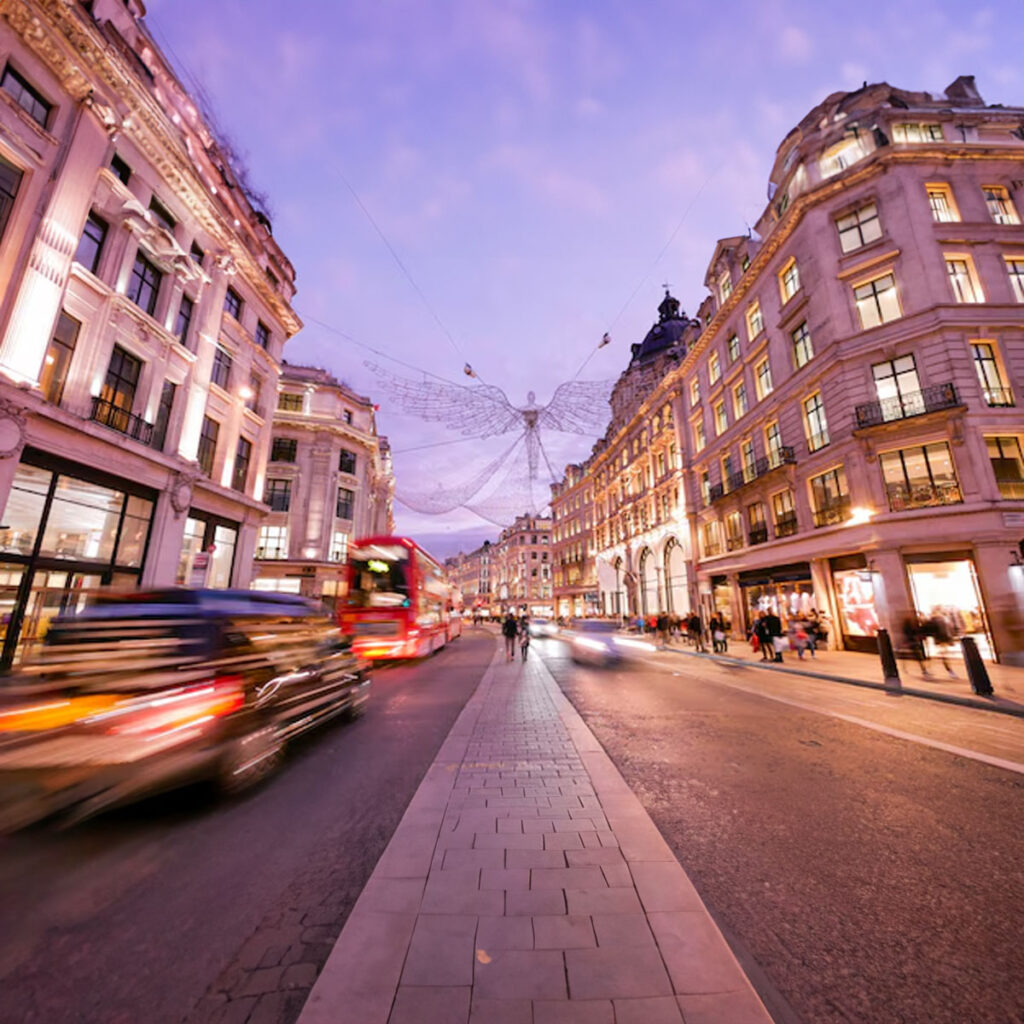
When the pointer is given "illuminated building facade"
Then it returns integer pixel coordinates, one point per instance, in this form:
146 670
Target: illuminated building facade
144 305
329 481
574 576
520 567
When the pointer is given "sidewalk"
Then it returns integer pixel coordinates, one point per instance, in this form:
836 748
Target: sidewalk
866 669
527 885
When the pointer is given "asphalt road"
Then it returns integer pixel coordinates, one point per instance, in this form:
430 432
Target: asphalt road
190 909
861 878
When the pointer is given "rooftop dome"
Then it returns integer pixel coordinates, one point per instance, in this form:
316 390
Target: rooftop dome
666 333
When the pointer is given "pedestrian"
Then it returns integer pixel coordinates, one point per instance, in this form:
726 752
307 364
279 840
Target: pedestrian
764 637
773 624
524 635
940 629
696 631
663 625
799 638
913 639
509 628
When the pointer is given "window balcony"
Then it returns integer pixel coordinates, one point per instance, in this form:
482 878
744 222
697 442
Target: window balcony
784 456
786 526
833 513
1013 489
923 495
999 398
733 543
901 407
121 420
758 534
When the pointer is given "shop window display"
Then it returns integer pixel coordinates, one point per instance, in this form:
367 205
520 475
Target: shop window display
948 591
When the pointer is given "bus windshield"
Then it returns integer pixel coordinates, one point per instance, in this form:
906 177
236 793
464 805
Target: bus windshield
378 580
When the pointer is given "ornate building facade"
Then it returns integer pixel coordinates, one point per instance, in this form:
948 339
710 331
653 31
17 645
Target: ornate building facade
520 565
329 480
471 573
144 305
574 577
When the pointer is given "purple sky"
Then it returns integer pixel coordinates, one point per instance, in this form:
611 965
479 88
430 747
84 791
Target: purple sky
528 161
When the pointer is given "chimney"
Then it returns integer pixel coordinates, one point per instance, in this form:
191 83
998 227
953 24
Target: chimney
964 89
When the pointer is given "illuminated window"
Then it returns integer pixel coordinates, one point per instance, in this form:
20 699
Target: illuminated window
763 379
734 347
1007 465
739 400
814 422
339 546
920 477
714 368
859 228
990 375
876 301
1000 206
917 133
830 498
26 96
940 199
755 321
695 391
803 350
784 514
721 422
773 444
725 286
289 401
840 156
54 373
963 279
747 460
1015 268
789 280
272 542
699 437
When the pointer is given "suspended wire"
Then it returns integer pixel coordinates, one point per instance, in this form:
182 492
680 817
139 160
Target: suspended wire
435 444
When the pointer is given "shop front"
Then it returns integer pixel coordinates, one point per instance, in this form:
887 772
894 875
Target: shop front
207 551
786 590
945 589
67 530
854 588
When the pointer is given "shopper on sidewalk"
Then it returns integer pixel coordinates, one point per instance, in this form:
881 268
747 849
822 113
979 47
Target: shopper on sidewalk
696 630
509 628
524 635
763 637
773 624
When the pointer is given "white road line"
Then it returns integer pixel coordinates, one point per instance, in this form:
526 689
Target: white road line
949 748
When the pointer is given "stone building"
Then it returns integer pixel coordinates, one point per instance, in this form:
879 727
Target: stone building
851 409
520 564
574 577
329 481
471 573
144 305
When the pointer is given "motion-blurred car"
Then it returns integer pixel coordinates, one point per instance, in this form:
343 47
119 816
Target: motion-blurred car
150 690
543 628
599 642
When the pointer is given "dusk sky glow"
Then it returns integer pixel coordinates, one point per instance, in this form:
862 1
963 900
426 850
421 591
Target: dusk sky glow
528 162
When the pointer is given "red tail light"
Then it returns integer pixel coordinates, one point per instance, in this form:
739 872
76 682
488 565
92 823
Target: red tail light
172 710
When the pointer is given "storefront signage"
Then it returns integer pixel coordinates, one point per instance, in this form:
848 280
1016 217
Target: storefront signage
1013 519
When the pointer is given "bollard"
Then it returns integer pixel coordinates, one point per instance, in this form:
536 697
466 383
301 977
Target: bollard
976 671
889 668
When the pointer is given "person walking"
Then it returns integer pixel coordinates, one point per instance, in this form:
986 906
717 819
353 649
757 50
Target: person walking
764 638
914 633
696 630
773 624
663 625
524 635
509 628
940 629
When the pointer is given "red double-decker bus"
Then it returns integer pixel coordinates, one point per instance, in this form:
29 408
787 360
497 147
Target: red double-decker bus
398 603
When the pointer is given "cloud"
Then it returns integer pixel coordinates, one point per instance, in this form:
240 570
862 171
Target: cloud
795 44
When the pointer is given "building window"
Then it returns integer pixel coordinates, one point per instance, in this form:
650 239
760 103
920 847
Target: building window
739 400
734 347
144 284
898 388
695 392
803 350
711 538
721 422
757 525
346 503
773 444
917 133
346 461
283 449
724 287
347 417
221 372
920 477
1000 206
339 546
714 368
840 156
197 254
26 96
120 169
1015 268
784 514
747 460
963 279
54 374
240 472
10 179
184 319
940 199
163 415
278 494
733 531
162 215
207 445
763 379
255 394
830 498
262 334
700 439
990 375
814 422
755 321
789 280
705 487
1007 465
233 303
90 245
289 401
121 380
273 542
859 228
876 301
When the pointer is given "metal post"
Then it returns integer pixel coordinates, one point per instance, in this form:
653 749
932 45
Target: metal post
976 671
890 670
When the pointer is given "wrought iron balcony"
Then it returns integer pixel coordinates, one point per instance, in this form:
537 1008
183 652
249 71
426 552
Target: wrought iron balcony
734 543
1010 488
901 407
783 456
923 495
999 398
122 420
833 513
758 534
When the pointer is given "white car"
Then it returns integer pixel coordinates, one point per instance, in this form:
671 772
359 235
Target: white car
599 642
543 627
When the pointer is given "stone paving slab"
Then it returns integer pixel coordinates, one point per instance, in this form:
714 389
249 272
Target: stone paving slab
527 884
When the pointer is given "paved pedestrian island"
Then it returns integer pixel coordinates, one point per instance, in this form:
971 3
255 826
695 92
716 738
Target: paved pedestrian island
527 885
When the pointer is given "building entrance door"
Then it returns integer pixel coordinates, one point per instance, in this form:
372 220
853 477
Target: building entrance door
52 593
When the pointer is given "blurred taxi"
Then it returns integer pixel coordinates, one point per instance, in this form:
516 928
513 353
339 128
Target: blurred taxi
150 690
600 642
